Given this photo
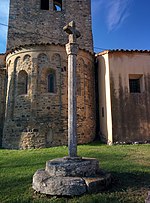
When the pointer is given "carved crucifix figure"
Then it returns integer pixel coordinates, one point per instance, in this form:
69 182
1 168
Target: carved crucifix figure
72 49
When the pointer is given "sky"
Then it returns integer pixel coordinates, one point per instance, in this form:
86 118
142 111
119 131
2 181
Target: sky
116 24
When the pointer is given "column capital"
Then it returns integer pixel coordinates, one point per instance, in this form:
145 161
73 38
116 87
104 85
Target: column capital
72 48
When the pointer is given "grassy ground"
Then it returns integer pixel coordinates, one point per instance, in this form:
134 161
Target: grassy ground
129 165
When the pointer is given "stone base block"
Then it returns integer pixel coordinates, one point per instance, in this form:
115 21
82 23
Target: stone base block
66 177
61 186
82 167
97 184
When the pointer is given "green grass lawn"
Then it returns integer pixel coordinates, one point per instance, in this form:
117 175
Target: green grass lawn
129 165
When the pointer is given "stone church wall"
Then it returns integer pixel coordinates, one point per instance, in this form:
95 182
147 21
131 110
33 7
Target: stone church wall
2 93
37 118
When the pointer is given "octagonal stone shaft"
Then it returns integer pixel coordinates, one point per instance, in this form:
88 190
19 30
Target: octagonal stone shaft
72 49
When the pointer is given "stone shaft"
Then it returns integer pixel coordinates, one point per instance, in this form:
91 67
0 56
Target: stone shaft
72 49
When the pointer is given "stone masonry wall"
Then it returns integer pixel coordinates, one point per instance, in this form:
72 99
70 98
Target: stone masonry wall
28 24
2 93
38 118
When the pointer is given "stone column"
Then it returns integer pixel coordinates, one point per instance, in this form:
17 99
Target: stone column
72 49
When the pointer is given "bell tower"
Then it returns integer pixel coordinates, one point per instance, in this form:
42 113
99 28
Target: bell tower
42 21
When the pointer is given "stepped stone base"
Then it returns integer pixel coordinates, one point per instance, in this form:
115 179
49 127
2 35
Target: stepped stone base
71 177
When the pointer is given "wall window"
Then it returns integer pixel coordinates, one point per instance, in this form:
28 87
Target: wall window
22 82
45 4
135 83
57 5
103 112
51 82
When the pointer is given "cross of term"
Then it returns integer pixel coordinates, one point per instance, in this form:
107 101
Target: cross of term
72 49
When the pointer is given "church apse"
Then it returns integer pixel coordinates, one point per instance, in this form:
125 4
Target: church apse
36 101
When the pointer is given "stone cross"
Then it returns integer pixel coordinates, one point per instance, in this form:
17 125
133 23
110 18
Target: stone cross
72 49
72 31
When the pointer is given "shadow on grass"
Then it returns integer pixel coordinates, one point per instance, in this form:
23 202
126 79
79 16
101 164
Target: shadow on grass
124 181
17 187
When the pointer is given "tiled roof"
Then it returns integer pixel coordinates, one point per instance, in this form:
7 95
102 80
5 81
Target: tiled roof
122 50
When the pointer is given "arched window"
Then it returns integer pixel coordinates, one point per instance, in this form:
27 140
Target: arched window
57 5
22 82
51 82
45 4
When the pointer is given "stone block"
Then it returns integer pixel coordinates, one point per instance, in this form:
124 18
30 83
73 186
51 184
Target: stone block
84 167
61 186
99 183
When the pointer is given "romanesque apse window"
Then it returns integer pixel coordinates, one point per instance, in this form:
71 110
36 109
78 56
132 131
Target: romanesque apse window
51 82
